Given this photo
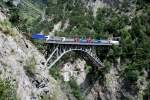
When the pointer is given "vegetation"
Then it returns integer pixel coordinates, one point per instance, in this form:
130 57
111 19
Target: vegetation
134 49
6 27
46 97
130 21
75 89
7 91
30 66
55 72
40 44
147 92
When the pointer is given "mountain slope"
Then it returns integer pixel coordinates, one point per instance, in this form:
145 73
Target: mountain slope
23 65
127 72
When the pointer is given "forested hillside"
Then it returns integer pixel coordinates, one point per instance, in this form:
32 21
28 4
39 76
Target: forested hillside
127 19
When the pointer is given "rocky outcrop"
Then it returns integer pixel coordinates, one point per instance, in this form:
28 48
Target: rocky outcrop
76 70
23 65
103 85
96 4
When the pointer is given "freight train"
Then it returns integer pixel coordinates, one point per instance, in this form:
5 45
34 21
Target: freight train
80 40
73 40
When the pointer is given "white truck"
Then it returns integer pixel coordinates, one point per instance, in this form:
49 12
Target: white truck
114 42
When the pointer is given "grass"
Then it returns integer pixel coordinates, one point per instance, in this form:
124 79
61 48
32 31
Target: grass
6 28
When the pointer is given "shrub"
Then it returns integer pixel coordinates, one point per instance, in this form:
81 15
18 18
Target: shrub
30 66
75 89
7 91
40 45
6 27
132 75
54 71
147 92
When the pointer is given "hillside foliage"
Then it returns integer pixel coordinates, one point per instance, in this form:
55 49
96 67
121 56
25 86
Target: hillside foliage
130 21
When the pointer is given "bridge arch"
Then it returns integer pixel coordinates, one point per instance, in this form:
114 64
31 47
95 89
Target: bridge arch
60 53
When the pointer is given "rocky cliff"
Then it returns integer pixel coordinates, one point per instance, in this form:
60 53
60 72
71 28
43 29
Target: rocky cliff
23 65
104 84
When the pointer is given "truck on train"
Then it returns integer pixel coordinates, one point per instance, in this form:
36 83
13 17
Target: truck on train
81 40
74 40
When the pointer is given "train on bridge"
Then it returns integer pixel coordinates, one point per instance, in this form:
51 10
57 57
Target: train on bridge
74 40
81 40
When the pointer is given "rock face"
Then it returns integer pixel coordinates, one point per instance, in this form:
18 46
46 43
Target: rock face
16 2
108 89
96 4
2 16
76 70
107 86
23 65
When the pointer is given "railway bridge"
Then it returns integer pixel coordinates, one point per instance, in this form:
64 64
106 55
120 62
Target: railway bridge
57 49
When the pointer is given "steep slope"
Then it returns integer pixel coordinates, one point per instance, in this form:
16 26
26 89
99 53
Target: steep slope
23 65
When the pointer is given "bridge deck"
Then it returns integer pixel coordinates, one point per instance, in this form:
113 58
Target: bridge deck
77 43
